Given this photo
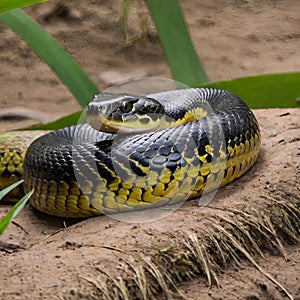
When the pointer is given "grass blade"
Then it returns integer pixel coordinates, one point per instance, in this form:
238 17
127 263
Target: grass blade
13 212
265 91
262 91
176 42
54 55
6 5
5 191
69 120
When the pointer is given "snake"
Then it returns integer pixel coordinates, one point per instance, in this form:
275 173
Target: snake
138 152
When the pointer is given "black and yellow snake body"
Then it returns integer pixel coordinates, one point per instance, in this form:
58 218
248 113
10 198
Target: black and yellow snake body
174 146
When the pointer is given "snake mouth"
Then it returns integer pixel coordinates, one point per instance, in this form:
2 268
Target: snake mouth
127 124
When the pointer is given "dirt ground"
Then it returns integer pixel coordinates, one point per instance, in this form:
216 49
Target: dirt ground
51 258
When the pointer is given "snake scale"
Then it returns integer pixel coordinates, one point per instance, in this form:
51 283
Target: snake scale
156 150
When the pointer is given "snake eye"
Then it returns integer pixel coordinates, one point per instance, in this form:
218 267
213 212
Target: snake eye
126 106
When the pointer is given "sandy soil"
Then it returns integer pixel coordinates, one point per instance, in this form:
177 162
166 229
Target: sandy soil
48 258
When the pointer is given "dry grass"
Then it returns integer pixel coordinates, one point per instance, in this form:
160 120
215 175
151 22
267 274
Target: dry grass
231 235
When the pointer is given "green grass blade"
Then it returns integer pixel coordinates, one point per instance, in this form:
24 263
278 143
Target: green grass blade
262 91
69 120
54 55
13 212
265 91
5 191
176 42
125 8
6 5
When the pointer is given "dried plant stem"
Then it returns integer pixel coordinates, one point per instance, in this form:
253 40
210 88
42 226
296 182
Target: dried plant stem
230 236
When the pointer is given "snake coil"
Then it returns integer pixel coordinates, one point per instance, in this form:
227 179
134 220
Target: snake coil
78 171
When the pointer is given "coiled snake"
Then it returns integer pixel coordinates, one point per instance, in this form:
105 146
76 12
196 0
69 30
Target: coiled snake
155 150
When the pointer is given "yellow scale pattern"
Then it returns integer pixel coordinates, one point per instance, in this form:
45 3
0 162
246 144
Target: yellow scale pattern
61 199
13 147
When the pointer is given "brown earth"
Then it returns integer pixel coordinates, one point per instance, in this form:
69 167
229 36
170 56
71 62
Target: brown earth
43 257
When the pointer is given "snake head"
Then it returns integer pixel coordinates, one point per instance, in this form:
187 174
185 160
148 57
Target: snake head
124 113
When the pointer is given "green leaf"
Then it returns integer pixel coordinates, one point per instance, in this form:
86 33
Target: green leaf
5 191
60 123
176 42
54 55
6 5
13 212
265 91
